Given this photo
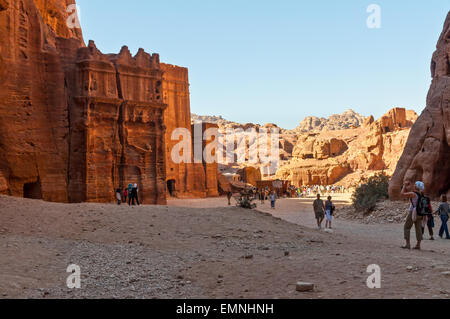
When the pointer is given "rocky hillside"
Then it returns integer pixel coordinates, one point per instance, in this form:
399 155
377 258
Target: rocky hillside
348 119
289 138
346 156
208 119
341 149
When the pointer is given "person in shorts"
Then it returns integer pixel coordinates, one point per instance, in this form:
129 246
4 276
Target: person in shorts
319 211
329 210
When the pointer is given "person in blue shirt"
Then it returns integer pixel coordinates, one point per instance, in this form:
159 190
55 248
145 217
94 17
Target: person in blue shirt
273 199
444 212
329 209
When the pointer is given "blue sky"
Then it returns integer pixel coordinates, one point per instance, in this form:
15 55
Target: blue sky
279 61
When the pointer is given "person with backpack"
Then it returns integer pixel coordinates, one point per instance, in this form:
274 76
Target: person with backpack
428 221
130 188
134 195
418 209
444 212
329 209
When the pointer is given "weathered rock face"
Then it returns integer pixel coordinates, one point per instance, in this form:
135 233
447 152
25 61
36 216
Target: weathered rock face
310 146
56 15
76 123
346 156
210 165
187 179
117 126
346 120
4 5
250 175
287 141
33 107
341 149
427 152
396 119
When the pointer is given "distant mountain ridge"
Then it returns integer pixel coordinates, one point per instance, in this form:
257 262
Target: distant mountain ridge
348 119
208 119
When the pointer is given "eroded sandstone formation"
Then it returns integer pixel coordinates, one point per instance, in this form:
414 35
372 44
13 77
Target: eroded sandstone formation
250 175
427 152
4 5
34 117
347 156
191 178
75 123
343 149
346 120
117 125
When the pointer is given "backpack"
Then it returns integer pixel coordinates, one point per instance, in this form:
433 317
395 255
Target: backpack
423 205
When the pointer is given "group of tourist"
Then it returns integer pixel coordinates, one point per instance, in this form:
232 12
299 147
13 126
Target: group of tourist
306 191
262 194
130 193
324 210
421 214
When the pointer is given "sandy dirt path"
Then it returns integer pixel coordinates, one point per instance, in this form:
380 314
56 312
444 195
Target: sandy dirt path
299 211
205 250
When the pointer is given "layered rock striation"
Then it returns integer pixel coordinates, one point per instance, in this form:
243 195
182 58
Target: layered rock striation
34 116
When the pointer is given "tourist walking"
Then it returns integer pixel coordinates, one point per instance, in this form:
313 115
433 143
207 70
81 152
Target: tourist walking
262 195
428 221
119 196
329 209
319 211
273 198
416 214
229 195
125 195
130 188
444 212
134 195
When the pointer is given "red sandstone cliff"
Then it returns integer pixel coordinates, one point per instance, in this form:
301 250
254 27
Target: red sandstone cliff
76 123
34 116
189 179
427 152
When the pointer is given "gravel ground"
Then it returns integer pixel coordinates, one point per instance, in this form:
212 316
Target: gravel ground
386 212
206 250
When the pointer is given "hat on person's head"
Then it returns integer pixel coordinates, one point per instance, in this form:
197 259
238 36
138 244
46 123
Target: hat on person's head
420 186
